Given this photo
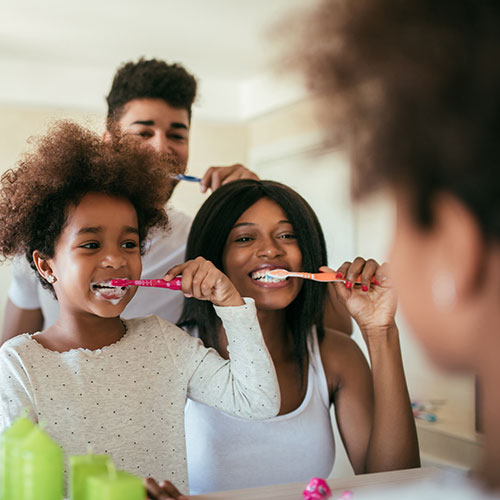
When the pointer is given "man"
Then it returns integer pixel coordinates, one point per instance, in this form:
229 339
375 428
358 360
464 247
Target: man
151 100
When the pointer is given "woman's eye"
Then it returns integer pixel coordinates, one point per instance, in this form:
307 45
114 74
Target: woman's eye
243 239
287 236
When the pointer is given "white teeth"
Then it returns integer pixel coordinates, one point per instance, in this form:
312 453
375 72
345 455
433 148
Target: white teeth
105 291
262 276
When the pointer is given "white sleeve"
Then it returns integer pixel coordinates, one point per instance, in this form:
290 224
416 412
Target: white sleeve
246 385
16 393
23 290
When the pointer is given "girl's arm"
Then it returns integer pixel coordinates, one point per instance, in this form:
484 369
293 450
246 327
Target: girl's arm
16 394
373 407
246 385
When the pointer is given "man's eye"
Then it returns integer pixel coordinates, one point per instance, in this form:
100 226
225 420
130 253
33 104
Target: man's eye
177 137
145 134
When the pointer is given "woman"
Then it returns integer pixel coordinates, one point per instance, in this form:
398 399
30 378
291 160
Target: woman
247 228
413 86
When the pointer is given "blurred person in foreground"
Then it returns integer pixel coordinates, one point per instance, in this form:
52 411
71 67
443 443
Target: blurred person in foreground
412 88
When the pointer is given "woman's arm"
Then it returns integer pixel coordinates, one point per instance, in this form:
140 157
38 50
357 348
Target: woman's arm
372 406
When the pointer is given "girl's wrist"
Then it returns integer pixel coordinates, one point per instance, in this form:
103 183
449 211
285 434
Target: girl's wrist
374 332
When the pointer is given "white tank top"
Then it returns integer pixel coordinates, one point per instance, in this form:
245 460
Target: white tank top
226 452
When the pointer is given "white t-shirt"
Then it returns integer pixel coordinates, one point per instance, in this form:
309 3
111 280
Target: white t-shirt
127 399
163 251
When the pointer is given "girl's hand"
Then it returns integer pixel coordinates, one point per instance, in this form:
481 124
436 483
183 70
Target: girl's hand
372 305
203 281
163 491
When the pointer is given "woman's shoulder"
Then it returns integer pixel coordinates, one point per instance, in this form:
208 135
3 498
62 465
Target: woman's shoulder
340 354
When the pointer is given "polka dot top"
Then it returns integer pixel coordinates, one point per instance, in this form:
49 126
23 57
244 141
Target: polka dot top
127 399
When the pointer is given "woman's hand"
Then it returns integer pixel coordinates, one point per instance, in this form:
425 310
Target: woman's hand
163 491
372 305
203 281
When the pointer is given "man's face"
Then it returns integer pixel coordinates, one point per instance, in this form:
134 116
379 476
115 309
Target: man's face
159 126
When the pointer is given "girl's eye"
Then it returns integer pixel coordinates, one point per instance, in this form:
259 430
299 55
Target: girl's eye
129 244
91 246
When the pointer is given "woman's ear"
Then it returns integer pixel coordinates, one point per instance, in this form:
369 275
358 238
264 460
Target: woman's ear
44 267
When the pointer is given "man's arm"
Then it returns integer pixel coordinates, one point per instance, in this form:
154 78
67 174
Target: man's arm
17 320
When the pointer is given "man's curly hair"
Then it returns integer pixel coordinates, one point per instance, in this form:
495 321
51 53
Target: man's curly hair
67 163
412 89
153 79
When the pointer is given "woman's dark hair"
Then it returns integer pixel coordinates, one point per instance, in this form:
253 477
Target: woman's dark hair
208 237
412 86
69 162
151 79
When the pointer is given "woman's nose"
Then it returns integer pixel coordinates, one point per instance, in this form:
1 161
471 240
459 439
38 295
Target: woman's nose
270 249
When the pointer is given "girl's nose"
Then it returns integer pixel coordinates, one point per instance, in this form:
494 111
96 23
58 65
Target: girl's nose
113 259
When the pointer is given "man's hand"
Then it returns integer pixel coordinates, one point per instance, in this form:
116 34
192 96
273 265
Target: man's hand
215 177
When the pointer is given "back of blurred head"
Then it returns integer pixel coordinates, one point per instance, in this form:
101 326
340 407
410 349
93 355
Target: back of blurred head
412 90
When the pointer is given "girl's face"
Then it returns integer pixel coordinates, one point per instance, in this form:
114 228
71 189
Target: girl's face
99 242
260 240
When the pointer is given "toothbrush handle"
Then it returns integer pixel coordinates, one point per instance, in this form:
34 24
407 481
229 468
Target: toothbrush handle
333 277
174 284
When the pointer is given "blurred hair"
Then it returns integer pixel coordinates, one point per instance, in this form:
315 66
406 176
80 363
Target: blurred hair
150 79
208 237
67 163
412 88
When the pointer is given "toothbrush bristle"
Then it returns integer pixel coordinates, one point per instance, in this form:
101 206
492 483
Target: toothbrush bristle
278 273
119 283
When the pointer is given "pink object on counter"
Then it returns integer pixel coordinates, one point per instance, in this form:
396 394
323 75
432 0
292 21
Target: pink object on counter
317 489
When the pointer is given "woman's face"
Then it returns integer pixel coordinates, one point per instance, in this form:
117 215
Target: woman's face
99 242
263 239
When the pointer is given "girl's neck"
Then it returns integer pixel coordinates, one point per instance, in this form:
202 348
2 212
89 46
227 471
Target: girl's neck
86 331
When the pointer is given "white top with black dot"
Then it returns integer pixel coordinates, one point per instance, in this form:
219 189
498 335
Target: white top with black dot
127 399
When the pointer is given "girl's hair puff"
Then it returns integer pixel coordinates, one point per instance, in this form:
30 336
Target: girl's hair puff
67 163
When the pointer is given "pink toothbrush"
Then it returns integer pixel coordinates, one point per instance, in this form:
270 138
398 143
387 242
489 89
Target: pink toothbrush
174 284
283 274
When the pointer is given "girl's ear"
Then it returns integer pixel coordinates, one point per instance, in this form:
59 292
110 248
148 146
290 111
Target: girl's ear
43 266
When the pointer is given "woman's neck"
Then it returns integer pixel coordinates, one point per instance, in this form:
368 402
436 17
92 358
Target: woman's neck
88 331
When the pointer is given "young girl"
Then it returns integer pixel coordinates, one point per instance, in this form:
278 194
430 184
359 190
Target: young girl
80 210
247 228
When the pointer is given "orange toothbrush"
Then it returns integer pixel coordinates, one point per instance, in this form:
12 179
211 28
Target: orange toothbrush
283 274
